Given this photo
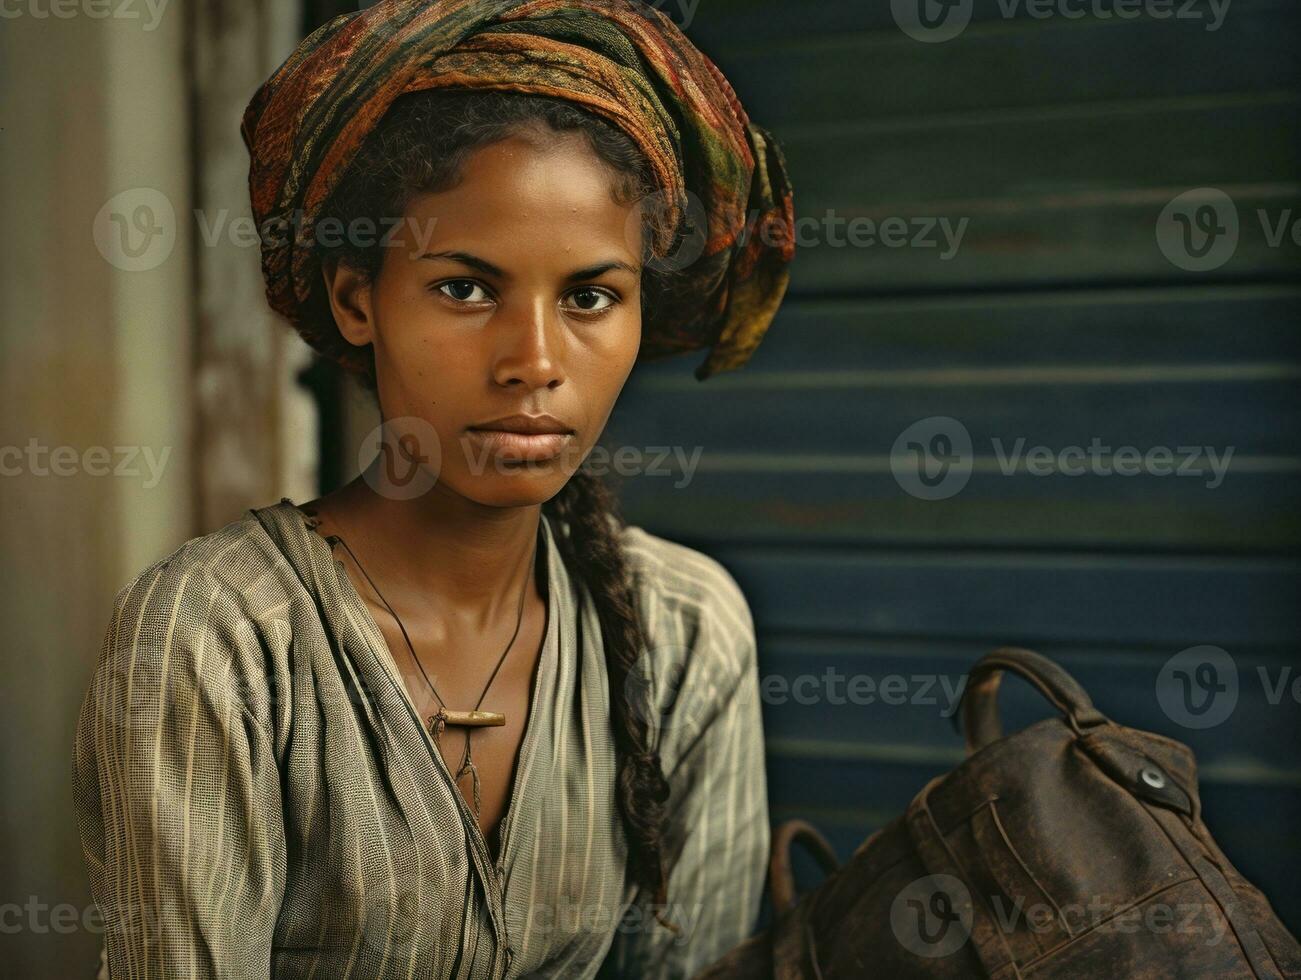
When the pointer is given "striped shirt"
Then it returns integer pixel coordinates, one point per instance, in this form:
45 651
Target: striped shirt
256 796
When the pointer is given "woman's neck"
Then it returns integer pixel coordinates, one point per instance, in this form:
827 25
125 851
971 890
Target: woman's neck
470 557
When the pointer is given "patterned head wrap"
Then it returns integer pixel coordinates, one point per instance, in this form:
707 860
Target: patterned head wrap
621 59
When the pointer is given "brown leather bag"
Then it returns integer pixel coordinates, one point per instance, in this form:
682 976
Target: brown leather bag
1074 848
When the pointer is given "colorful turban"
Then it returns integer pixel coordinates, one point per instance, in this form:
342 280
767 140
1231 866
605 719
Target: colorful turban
621 59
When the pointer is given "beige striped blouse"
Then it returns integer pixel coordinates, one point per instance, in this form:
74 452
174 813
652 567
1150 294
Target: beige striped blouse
256 796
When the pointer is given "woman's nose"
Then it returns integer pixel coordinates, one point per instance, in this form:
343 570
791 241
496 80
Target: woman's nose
530 345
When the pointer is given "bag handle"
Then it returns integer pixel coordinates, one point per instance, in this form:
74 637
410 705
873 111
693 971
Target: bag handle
781 874
978 706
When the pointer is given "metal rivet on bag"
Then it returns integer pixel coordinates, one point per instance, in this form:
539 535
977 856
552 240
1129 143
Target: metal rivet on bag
1153 777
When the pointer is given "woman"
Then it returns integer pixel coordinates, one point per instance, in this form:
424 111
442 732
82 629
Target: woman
455 719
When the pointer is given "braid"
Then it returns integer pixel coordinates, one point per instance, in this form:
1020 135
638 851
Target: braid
591 546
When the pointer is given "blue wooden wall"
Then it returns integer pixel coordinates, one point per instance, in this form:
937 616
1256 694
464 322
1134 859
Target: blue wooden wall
1058 320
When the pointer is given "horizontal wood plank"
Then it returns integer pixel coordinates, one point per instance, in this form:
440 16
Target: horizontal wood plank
1023 598
875 74
1081 204
721 24
896 699
1253 408
1253 510
1184 324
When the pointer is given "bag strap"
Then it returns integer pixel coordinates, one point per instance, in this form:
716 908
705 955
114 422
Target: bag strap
950 882
978 707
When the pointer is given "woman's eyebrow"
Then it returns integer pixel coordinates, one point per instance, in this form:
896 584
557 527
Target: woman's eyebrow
487 268
592 271
465 258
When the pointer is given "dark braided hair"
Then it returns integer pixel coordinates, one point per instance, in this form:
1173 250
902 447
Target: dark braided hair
420 146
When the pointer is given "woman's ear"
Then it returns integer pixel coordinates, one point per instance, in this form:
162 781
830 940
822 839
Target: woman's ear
350 301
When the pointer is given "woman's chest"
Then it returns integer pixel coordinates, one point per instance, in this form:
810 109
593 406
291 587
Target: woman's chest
380 849
475 677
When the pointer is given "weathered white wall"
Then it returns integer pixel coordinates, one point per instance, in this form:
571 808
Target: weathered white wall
100 346
91 355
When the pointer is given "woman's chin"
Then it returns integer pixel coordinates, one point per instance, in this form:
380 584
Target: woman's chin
518 485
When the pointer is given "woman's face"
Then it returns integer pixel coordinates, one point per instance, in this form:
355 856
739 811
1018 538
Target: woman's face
515 292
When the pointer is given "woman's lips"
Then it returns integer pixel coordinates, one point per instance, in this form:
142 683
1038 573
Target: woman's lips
520 445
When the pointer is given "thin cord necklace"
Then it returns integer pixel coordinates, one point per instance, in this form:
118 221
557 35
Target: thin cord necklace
444 717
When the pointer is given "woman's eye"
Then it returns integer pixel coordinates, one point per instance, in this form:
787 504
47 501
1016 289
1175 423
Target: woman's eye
592 300
463 291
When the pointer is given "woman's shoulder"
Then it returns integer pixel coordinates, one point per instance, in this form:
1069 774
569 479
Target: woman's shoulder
689 599
207 622
682 575
228 589
701 659
235 560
